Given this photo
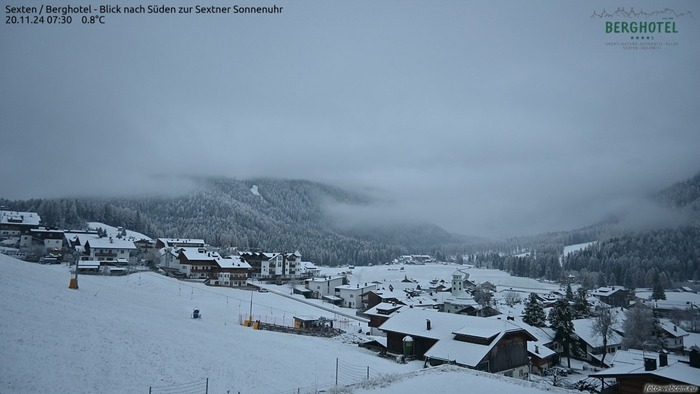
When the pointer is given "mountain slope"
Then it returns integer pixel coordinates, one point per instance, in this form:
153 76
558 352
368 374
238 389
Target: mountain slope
280 215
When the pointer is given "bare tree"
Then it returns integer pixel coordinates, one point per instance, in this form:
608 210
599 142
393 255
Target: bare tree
604 327
638 326
511 298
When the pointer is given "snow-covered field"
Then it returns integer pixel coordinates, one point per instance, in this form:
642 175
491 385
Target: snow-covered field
113 231
126 334
568 249
423 274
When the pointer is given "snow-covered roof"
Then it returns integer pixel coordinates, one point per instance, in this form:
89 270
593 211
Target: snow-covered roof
538 350
182 241
82 236
46 230
110 243
324 279
231 262
584 330
356 287
16 217
376 338
672 329
412 321
388 308
463 353
198 254
606 291
544 335
306 266
631 362
88 263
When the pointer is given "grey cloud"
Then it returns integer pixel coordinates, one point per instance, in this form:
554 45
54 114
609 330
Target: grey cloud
486 118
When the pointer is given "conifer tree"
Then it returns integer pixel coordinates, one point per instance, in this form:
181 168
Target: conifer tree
561 322
534 313
657 292
581 307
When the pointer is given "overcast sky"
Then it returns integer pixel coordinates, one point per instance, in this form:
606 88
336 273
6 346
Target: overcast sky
487 118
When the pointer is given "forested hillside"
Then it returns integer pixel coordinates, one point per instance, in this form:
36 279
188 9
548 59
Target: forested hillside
631 259
284 215
623 256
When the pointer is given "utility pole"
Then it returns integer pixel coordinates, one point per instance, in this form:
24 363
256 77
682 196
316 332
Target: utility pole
250 315
74 281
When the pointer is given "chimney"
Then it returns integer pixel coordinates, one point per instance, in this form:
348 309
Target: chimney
427 324
649 364
675 328
663 359
537 349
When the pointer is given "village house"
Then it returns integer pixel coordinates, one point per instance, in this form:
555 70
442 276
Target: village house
542 352
272 266
110 249
351 296
229 271
613 296
196 263
472 342
633 372
379 314
324 287
307 269
673 336
50 240
199 263
13 223
591 343
75 239
405 292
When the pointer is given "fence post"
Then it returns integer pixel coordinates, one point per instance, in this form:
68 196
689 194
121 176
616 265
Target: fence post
336 371
368 372
207 388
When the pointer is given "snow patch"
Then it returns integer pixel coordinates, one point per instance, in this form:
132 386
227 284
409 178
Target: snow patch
254 190
568 249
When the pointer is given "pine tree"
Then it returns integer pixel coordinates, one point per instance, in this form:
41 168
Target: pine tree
561 321
581 307
569 293
534 313
657 292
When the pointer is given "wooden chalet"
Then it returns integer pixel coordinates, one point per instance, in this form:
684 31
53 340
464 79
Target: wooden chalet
472 342
636 371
